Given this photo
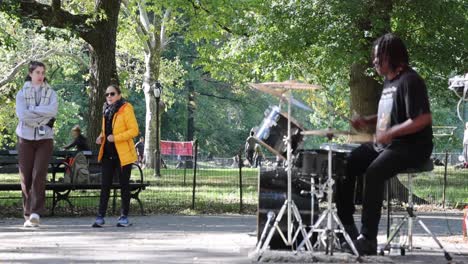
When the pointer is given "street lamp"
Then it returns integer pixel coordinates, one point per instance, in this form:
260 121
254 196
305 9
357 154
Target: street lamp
157 89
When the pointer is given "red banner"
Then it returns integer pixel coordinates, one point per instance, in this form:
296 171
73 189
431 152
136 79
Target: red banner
180 148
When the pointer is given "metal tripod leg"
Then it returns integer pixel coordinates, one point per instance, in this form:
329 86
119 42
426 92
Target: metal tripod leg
421 223
275 227
310 233
263 246
393 234
270 216
345 234
410 217
314 228
301 228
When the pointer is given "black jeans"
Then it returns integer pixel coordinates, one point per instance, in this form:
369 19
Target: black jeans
376 167
109 168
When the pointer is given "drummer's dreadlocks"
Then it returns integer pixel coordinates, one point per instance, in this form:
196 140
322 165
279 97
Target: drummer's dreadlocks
391 47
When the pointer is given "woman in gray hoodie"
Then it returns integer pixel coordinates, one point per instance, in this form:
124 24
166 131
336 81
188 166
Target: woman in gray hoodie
36 108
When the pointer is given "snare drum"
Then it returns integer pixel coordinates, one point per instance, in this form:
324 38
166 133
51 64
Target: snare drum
314 163
273 133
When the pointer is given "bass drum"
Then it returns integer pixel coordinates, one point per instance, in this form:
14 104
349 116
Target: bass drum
272 192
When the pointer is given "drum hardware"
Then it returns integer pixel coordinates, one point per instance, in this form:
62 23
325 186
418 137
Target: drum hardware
329 133
289 206
283 90
279 89
327 235
270 217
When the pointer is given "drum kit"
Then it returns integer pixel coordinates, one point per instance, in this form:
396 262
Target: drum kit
312 172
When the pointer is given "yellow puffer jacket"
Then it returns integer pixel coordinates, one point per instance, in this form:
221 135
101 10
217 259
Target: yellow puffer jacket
124 129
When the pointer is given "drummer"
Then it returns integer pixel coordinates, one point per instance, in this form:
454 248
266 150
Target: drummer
403 139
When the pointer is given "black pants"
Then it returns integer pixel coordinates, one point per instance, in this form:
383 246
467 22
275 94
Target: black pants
376 167
109 168
249 154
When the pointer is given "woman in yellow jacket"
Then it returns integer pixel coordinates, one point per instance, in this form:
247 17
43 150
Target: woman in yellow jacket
116 154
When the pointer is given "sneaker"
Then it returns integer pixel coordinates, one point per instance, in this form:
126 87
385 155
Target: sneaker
34 220
363 245
28 223
123 221
99 222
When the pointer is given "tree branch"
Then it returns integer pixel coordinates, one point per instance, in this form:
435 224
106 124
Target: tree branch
162 35
220 97
144 20
142 33
12 74
55 16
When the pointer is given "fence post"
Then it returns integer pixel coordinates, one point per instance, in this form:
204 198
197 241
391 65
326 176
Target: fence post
240 181
444 187
194 174
185 171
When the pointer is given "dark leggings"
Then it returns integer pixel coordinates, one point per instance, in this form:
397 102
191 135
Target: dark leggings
376 167
109 168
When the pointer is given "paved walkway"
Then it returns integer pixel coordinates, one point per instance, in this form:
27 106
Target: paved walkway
173 239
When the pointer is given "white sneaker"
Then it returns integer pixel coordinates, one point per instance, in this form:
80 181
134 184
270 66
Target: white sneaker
34 219
27 223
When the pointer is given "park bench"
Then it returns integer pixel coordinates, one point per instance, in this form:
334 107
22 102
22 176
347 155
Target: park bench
61 191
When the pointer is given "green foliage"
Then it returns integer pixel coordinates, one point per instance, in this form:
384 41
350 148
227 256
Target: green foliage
317 41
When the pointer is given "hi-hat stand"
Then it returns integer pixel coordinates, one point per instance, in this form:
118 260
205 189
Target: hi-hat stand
289 206
327 235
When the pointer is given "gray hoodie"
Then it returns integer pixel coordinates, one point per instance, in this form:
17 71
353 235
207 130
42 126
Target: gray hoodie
34 115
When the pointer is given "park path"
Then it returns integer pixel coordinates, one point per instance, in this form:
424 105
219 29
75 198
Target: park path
175 239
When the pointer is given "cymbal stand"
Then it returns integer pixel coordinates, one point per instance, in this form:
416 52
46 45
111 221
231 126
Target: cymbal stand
289 206
327 236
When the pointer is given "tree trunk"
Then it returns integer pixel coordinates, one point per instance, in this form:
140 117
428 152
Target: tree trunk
103 72
190 111
152 65
103 67
365 90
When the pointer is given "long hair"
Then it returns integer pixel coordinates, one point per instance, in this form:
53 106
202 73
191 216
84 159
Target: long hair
391 47
32 66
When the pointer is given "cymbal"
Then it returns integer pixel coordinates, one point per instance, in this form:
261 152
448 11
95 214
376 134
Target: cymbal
327 132
278 88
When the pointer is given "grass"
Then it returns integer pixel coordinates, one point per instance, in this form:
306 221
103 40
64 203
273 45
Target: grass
429 186
217 191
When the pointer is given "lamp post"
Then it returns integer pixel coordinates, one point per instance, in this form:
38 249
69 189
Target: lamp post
157 89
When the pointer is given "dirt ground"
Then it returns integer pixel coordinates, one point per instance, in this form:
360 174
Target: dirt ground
187 239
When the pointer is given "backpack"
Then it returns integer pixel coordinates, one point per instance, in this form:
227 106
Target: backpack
78 172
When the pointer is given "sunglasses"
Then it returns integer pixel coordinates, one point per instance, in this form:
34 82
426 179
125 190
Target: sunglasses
110 94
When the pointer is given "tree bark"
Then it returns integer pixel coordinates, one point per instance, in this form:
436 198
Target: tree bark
365 90
152 65
103 66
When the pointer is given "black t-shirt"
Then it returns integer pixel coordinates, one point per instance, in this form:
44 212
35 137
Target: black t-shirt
403 98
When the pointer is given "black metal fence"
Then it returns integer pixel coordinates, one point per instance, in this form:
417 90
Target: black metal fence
221 185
